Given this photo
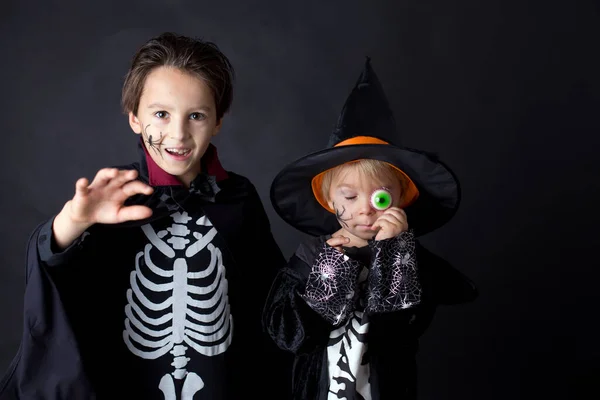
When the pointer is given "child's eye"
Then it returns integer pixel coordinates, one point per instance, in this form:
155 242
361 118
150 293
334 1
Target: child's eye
381 199
350 198
198 116
160 114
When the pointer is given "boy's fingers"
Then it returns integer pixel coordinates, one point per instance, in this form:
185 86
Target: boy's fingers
123 177
392 218
131 213
396 213
381 225
388 218
337 241
81 186
104 176
397 210
376 225
137 187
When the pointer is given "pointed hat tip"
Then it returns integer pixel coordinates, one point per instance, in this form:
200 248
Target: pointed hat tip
366 75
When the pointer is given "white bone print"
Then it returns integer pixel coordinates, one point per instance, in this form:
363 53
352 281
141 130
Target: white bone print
213 332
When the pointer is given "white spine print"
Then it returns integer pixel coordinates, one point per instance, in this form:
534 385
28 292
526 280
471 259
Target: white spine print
210 335
345 353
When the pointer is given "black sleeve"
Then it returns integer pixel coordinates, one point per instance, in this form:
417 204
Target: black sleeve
73 265
47 249
331 285
394 282
288 319
48 361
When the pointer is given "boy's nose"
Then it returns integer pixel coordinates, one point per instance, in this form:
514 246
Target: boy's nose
178 130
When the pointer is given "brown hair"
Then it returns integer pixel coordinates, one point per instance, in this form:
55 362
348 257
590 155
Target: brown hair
195 56
374 170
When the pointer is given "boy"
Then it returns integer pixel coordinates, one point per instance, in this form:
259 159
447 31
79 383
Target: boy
354 298
143 287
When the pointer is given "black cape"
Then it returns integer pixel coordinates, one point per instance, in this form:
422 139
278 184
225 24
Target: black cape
61 354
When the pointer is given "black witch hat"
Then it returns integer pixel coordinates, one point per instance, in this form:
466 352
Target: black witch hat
366 129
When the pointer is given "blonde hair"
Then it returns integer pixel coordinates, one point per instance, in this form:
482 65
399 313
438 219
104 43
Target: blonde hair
374 170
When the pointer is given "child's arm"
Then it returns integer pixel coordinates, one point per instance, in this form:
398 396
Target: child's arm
65 230
403 273
99 202
393 277
288 318
331 283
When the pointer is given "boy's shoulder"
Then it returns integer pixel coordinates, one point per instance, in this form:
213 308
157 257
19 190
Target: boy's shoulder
238 188
237 180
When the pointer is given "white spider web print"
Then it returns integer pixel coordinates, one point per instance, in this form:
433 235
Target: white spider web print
331 284
398 288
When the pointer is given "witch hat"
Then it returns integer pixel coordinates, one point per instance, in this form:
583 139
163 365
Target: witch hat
366 129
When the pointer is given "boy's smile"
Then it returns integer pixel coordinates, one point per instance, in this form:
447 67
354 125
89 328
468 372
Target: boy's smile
177 119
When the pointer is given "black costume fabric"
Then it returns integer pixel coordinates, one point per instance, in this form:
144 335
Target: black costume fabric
165 308
391 340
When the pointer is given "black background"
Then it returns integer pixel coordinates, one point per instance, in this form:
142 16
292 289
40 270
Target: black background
506 91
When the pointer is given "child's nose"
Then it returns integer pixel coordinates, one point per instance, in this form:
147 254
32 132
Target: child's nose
365 207
178 130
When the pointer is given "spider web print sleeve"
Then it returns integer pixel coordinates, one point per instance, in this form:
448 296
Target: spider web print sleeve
393 278
331 285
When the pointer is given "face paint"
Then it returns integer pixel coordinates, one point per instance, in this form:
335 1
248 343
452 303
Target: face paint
381 199
154 144
339 215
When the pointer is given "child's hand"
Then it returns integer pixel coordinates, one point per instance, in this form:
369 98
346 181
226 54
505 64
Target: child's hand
99 202
390 224
337 242
102 200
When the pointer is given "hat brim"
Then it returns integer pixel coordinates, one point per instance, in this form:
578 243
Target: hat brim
293 199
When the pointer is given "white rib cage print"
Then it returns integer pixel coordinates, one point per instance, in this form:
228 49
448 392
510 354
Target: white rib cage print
195 313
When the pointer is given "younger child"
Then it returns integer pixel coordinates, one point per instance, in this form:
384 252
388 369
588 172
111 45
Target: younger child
355 297
150 282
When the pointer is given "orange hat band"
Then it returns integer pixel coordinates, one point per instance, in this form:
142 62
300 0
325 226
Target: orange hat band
360 140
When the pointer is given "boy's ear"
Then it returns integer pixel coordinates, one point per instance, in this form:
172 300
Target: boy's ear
218 126
135 124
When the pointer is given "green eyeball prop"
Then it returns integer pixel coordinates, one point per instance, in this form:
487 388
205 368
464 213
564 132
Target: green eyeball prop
381 199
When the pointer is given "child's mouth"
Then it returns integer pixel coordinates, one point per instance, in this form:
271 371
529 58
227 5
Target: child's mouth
178 152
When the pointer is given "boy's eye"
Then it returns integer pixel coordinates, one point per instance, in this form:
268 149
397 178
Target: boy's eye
160 114
198 116
350 197
381 199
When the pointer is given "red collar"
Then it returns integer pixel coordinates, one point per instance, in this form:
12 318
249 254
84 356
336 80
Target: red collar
158 177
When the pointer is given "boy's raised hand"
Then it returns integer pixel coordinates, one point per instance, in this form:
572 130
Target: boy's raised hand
102 201
390 224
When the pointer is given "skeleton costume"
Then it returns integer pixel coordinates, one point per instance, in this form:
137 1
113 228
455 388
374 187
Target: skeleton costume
167 308
353 319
